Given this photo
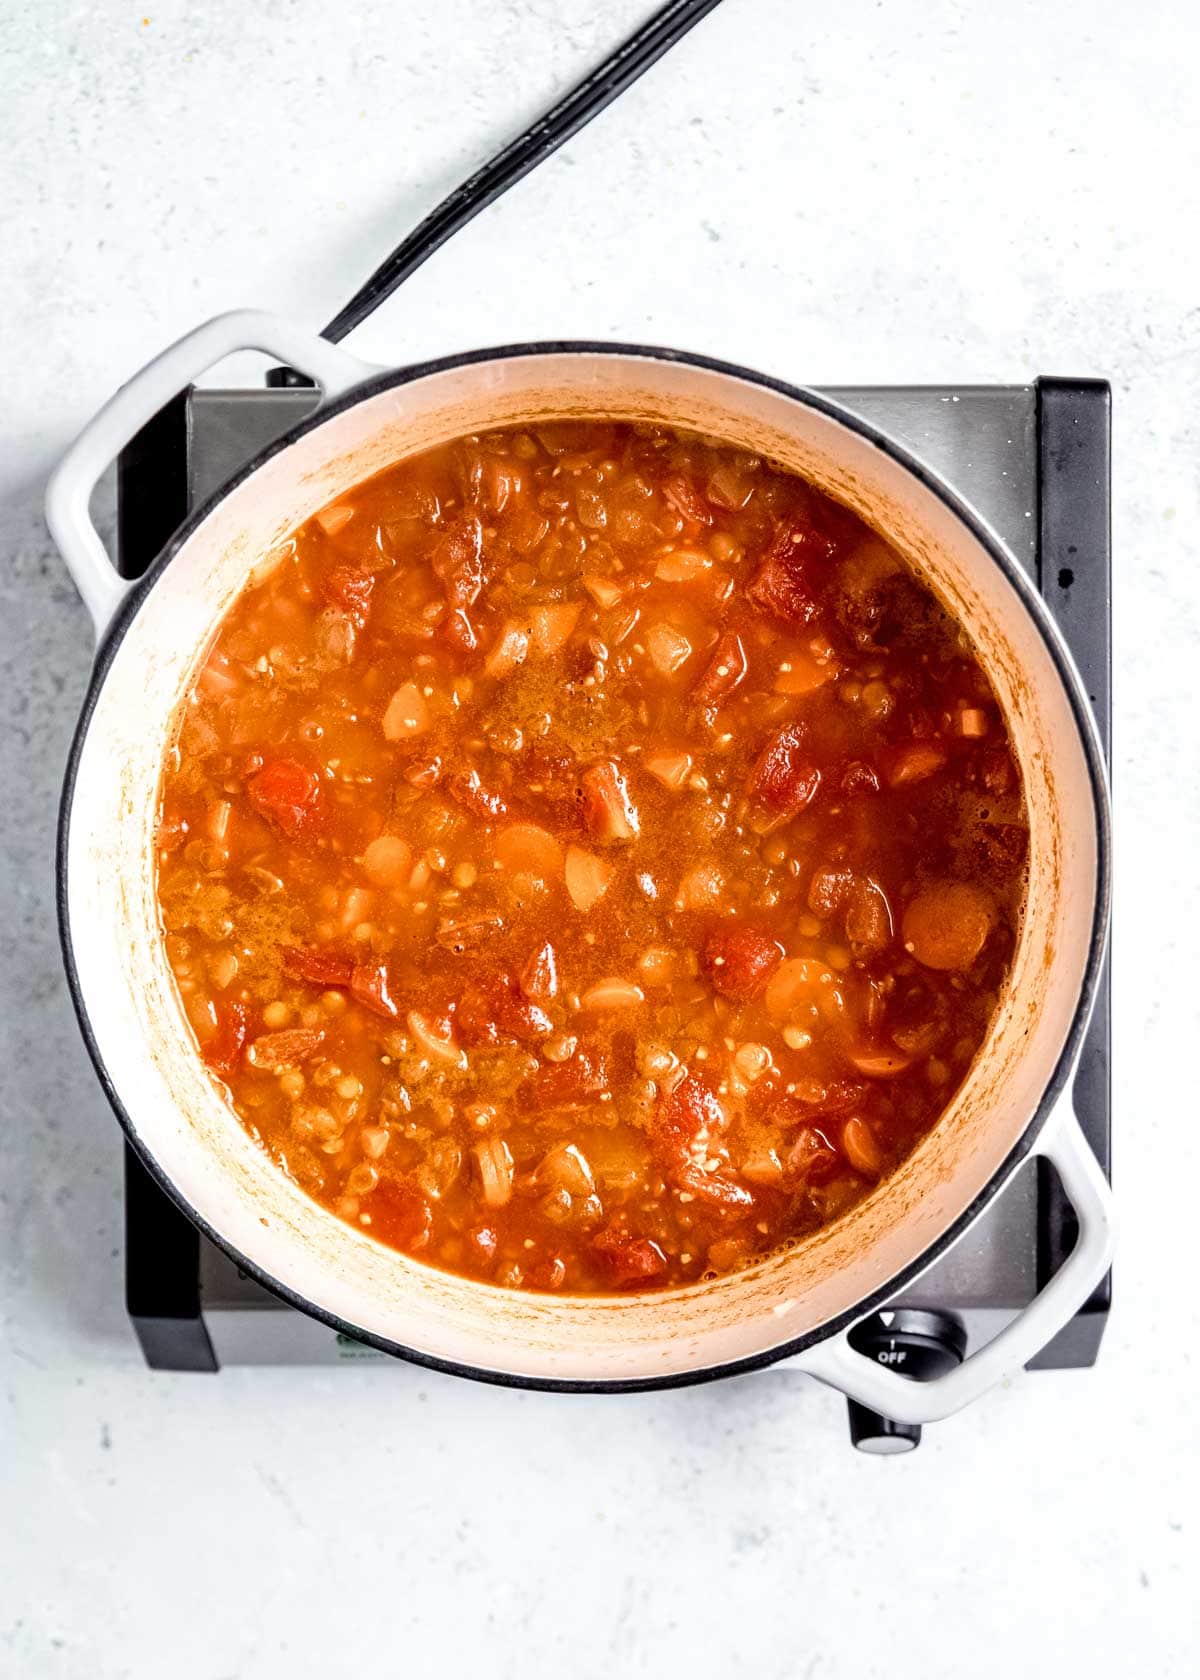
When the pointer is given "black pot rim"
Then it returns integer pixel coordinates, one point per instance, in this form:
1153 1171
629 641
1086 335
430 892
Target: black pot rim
1026 593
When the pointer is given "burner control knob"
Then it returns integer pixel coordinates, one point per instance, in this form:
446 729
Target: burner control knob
914 1343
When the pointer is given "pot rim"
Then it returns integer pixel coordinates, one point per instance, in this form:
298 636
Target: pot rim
1031 600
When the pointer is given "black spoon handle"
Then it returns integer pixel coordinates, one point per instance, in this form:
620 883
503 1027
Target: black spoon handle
590 96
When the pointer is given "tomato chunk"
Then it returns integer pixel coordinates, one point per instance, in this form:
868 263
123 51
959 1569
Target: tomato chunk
810 1100
369 985
277 1050
539 977
350 588
458 560
288 794
786 584
686 499
686 1123
631 1262
608 811
738 961
581 1079
812 1159
724 672
224 1049
400 1215
784 779
466 789
458 632
316 968
492 1010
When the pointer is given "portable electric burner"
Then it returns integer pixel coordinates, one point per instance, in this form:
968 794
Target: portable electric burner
1034 461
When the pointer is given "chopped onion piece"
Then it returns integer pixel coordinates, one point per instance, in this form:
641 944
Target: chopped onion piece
668 648
612 993
551 624
682 565
701 888
603 591
334 519
566 1167
508 651
495 1163
437 1045
407 714
588 878
671 769
861 1149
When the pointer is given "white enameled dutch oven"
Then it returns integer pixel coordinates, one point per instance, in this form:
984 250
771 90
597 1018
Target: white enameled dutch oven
1015 1103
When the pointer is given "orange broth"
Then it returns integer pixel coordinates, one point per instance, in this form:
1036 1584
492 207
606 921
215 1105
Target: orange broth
590 858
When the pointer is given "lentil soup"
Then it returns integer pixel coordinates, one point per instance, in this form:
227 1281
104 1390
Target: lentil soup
589 857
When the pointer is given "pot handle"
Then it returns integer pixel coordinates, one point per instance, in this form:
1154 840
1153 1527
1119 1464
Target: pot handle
885 1392
123 416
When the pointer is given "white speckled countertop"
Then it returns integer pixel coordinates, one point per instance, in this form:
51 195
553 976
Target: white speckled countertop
862 193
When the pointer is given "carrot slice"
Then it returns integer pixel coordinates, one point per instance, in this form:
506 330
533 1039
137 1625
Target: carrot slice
528 849
947 925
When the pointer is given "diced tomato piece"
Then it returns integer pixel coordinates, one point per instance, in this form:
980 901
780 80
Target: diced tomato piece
997 771
492 1010
829 889
173 830
738 961
316 968
548 1272
685 1113
538 979
475 1019
584 1077
369 985
783 779
223 1051
482 1243
276 1050
686 499
288 794
608 811
812 1159
712 1188
789 577
465 788
811 1099
458 560
682 1123
724 671
553 771
859 778
458 632
630 1262
350 589
400 1215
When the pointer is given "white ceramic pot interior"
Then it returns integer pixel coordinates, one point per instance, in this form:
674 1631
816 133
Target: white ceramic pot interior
178 1113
